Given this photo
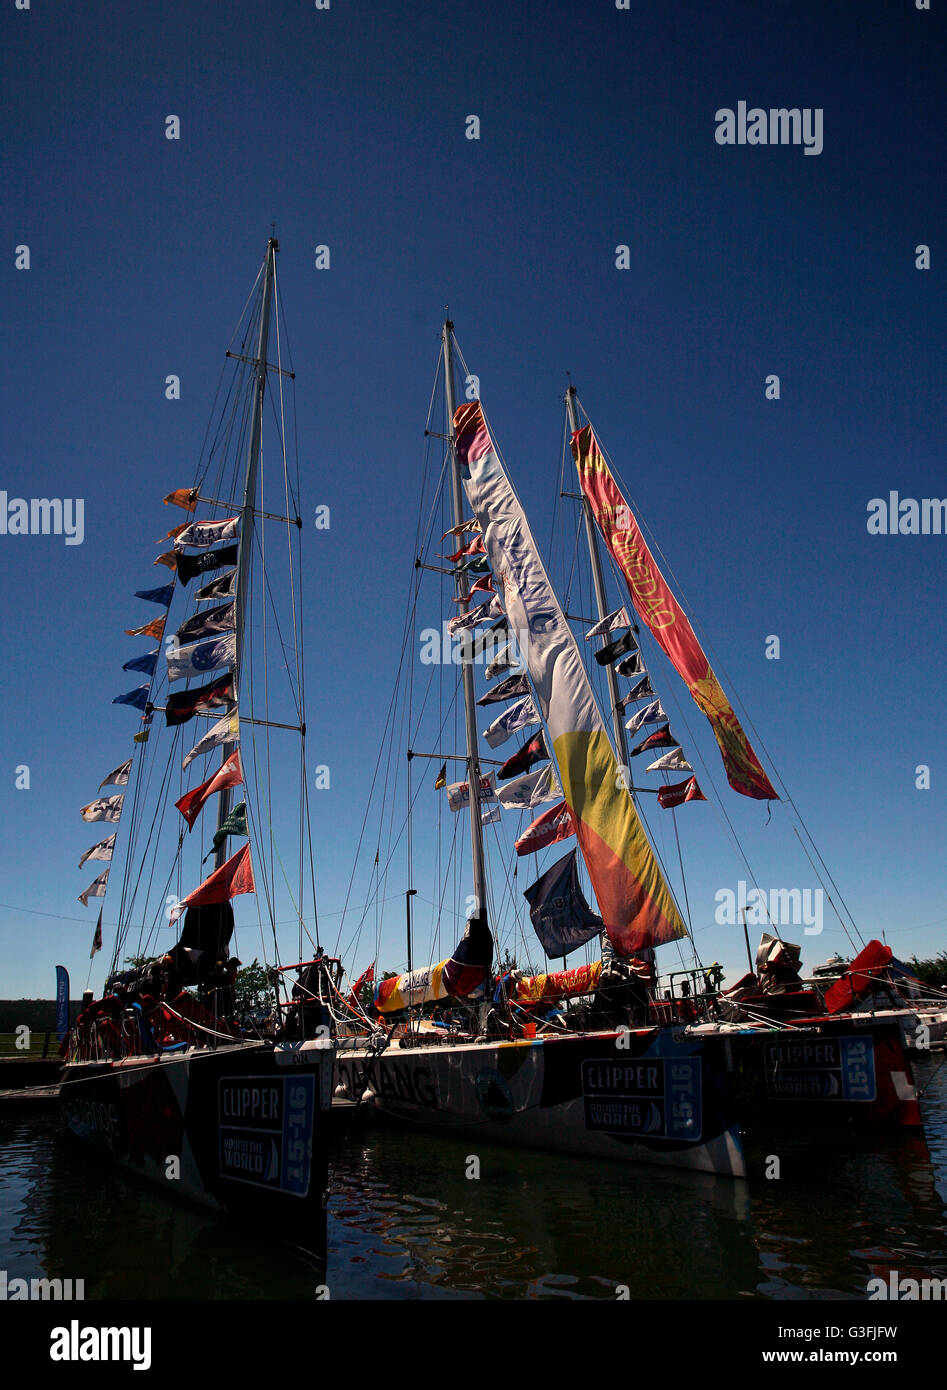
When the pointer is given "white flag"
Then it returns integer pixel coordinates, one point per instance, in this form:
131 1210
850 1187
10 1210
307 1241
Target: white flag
96 889
226 730
649 715
200 657
530 790
491 814
224 587
674 761
106 808
617 619
201 534
103 850
458 793
118 778
516 717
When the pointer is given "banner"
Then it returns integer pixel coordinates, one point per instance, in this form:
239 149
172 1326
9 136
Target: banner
632 895
657 607
62 1002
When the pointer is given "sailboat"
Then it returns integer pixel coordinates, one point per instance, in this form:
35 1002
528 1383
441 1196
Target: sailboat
591 1060
161 1076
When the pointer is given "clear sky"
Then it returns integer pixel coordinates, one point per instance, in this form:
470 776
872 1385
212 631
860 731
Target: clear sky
348 128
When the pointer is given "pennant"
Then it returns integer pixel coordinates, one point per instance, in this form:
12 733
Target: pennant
516 717
458 793
367 977
479 565
474 547
174 532
224 587
530 790
108 808
513 685
201 534
226 730
671 762
666 619
561 917
141 738
145 663
612 650
103 850
118 777
465 621
137 698
441 778
482 586
153 629
503 662
96 889
208 623
631 666
235 824
490 815
97 939
534 750
619 618
186 703
200 657
649 715
473 525
676 793
230 774
641 691
185 497
489 639
553 825
661 738
162 595
230 880
169 559
189 565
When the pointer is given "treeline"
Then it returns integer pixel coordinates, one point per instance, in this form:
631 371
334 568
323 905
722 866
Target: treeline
933 971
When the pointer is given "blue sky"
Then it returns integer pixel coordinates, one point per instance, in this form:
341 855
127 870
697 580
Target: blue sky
347 128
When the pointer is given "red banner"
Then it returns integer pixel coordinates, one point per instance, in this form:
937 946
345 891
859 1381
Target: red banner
657 606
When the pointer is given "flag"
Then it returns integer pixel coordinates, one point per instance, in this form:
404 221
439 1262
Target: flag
530 790
146 663
482 586
189 565
230 774
676 793
513 685
235 824
153 629
465 621
648 715
478 565
173 534
516 717
367 977
141 738
226 730
224 587
185 497
103 850
503 662
671 762
473 525
612 650
231 879
138 698
532 751
661 738
208 623
97 939
641 691
107 808
96 888
554 824
183 705
490 815
458 793
441 778
631 666
474 547
169 559
201 534
203 656
561 917
62 1002
617 619
118 777
162 595
487 639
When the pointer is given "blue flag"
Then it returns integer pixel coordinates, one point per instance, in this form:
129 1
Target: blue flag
138 698
561 917
146 663
62 1002
162 595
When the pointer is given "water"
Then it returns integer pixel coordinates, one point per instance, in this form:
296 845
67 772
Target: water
405 1222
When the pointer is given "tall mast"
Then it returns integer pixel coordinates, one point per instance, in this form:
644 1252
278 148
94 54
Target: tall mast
470 709
249 504
621 745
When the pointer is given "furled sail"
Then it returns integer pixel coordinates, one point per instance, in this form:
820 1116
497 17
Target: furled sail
460 974
633 897
657 607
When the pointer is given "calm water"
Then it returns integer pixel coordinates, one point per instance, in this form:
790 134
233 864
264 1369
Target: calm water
406 1223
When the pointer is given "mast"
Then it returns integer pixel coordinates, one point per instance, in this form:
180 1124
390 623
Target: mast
249 503
621 745
470 715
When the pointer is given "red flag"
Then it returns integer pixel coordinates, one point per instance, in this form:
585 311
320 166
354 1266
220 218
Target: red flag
482 586
532 751
554 824
474 547
168 558
676 793
662 738
231 879
185 497
230 774
153 629
366 978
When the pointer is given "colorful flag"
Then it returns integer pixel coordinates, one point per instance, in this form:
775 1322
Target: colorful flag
676 793
208 623
458 793
185 497
482 586
658 607
118 777
107 808
441 778
534 750
145 663
513 685
516 717
367 977
226 730
617 619
464 621
613 650
473 525
189 565
661 738
162 595
553 825
200 657
153 629
224 587
103 850
137 698
474 547
201 534
169 559
650 714
186 703
96 889
97 939
231 879
230 774
530 790
671 762
235 824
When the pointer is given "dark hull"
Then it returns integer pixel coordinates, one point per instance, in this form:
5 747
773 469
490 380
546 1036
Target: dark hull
242 1129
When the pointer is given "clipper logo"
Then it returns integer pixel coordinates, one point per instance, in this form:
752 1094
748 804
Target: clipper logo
75 1343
